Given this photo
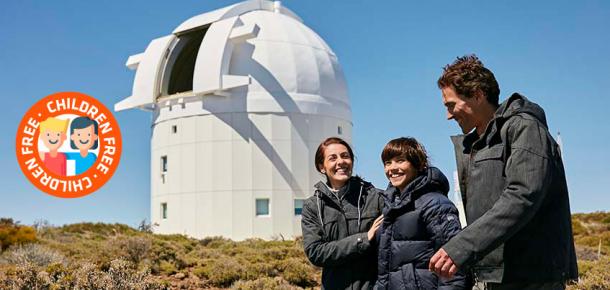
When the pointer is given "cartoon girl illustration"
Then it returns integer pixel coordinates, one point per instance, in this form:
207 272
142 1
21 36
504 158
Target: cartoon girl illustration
53 135
83 136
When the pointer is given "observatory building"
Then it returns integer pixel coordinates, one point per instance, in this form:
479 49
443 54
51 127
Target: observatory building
240 99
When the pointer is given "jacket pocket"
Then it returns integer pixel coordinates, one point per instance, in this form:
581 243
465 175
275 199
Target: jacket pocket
409 278
331 231
493 153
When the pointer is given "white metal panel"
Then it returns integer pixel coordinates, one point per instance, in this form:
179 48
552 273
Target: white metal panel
222 161
282 180
186 130
207 76
300 158
231 11
221 127
242 212
174 169
261 127
241 164
204 128
188 176
205 167
188 212
145 85
223 208
261 168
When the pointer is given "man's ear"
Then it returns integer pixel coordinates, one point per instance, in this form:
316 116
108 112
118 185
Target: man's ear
479 96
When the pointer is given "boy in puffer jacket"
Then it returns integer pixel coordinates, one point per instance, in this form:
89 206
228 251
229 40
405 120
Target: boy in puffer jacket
418 220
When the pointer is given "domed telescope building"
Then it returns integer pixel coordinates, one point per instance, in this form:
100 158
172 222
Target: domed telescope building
240 97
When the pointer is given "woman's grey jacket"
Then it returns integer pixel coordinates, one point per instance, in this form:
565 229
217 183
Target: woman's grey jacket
335 229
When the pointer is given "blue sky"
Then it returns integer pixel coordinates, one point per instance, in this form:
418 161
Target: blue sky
392 52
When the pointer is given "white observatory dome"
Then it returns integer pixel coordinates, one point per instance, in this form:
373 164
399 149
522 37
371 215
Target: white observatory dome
241 97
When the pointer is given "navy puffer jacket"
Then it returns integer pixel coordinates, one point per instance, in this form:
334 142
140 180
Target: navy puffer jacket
417 222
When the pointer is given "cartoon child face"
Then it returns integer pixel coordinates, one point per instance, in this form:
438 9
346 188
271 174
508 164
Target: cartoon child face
52 139
84 138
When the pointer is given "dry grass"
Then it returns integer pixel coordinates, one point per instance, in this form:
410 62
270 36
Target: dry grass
115 256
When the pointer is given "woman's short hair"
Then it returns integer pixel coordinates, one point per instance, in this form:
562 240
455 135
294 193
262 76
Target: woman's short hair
82 123
408 148
319 157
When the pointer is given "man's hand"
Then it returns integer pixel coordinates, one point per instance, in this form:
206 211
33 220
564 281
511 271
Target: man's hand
375 227
442 264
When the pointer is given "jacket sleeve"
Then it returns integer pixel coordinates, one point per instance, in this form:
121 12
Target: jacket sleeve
527 168
442 223
324 253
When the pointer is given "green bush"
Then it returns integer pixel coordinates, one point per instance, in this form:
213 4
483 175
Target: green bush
298 272
11 233
264 283
222 273
593 275
167 268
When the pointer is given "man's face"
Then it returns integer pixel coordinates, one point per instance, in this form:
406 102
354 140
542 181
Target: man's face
84 138
460 109
52 139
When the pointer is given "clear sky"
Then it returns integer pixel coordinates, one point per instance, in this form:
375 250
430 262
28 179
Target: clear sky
392 52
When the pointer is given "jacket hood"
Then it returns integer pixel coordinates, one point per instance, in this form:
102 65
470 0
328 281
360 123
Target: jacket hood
431 180
518 104
354 182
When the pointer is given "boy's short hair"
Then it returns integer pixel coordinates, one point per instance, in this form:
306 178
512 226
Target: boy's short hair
408 148
55 124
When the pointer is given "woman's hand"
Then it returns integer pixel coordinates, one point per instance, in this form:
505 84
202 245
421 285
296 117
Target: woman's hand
374 227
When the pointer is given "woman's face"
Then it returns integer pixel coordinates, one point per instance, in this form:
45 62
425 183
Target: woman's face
337 165
399 171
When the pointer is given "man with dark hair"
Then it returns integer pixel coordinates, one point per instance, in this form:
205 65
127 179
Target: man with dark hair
513 185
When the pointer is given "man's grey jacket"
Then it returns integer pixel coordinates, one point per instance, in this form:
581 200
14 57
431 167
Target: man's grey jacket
515 195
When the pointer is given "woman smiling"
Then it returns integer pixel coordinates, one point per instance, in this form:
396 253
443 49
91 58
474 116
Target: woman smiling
340 220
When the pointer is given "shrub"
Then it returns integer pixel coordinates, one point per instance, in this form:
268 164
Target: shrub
298 272
135 249
31 254
222 273
593 275
265 283
11 233
167 268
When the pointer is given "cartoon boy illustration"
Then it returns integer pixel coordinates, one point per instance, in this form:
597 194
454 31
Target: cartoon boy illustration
53 135
83 136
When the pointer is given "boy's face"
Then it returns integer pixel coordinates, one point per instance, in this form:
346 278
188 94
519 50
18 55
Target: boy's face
84 138
399 171
52 139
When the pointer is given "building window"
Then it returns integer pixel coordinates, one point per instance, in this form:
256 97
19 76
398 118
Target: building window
174 129
163 168
262 206
164 210
298 206
339 130
164 164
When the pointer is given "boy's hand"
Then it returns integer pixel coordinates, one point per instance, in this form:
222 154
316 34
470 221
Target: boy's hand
374 227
